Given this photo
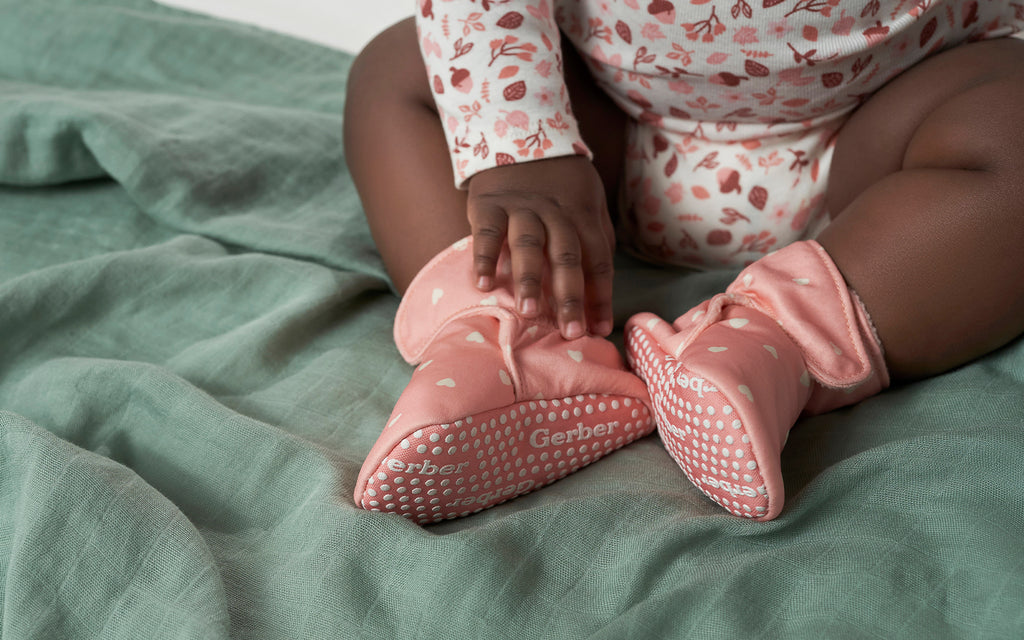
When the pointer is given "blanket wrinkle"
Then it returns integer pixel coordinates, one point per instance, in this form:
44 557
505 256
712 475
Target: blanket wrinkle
196 354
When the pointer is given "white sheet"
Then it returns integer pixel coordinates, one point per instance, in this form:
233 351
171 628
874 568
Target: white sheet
342 24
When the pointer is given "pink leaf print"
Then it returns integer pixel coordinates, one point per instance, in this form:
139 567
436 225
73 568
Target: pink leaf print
680 86
717 58
461 48
472 23
481 149
745 35
671 166
652 31
541 11
518 119
624 32
643 57
543 68
876 33
638 98
702 104
430 47
558 123
843 25
772 160
674 193
682 55
794 76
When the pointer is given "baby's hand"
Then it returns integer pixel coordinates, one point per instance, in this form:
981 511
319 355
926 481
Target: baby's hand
550 210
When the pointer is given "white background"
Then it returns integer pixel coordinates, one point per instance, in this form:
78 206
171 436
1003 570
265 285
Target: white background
341 24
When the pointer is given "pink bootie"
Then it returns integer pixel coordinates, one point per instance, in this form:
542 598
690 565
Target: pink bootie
499 405
729 378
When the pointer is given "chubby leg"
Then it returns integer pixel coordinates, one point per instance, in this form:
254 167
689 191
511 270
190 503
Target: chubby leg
927 241
398 156
926 183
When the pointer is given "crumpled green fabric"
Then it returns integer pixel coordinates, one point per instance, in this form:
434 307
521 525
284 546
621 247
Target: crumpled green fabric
196 354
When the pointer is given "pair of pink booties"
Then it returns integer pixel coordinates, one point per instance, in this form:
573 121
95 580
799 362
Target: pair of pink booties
500 405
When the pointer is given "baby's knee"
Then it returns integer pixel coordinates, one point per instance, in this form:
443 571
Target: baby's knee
980 128
389 65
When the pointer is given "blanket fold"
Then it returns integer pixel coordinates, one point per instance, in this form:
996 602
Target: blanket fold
196 356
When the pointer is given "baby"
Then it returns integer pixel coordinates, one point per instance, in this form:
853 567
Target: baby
860 161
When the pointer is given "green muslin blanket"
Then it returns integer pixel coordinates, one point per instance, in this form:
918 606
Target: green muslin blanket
196 355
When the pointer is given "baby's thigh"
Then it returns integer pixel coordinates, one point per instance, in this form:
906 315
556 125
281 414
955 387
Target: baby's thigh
970 97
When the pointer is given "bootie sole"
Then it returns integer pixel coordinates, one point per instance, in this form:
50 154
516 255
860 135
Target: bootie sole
456 469
704 430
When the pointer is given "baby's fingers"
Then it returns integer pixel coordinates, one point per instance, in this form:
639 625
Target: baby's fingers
599 272
489 226
526 240
567 281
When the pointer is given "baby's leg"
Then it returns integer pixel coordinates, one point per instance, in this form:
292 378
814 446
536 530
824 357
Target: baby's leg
926 183
398 157
927 186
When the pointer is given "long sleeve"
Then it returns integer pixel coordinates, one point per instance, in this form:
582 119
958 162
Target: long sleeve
495 71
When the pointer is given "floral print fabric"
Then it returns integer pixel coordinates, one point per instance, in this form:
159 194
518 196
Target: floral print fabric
733 103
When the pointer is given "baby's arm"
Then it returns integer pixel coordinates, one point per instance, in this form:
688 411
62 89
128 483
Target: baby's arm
496 75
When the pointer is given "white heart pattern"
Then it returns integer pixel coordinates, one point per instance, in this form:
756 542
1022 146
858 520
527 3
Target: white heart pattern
745 390
717 349
475 337
737 323
436 295
576 355
447 382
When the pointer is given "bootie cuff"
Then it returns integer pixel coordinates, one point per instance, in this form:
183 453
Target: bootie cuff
443 291
810 300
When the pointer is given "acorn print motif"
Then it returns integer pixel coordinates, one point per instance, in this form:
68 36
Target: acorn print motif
663 10
461 80
732 103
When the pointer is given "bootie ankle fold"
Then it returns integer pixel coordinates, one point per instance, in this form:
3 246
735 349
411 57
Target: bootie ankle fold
498 406
729 378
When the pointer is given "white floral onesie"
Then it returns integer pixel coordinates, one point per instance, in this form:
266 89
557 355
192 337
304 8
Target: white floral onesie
734 104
